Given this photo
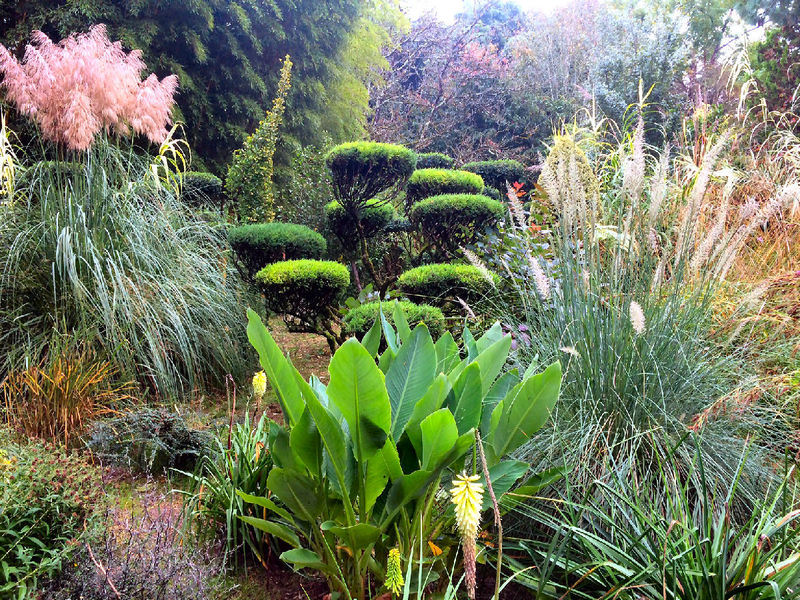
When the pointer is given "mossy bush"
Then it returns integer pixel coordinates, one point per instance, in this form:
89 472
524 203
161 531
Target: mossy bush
201 189
425 183
259 244
307 293
362 170
441 282
452 220
375 216
358 320
496 173
434 160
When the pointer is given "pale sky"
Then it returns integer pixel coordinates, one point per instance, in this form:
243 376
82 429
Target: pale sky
447 9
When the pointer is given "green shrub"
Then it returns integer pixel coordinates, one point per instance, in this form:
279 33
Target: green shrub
375 216
434 160
259 244
362 170
425 183
492 193
306 292
453 220
47 499
202 189
439 282
496 173
358 320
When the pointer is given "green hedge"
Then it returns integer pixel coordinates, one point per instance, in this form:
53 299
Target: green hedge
358 320
260 244
439 282
425 183
434 160
496 173
375 216
453 220
303 288
362 170
202 188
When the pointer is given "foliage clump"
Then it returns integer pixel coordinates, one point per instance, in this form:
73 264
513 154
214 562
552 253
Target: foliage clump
358 320
374 216
259 244
453 220
568 165
438 283
306 292
434 182
362 170
249 179
434 160
200 189
498 173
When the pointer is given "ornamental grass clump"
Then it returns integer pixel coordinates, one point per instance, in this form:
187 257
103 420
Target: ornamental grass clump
84 85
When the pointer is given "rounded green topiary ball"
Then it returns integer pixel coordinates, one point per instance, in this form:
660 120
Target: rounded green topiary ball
303 287
496 173
358 320
362 170
434 160
260 244
425 183
437 283
375 216
202 188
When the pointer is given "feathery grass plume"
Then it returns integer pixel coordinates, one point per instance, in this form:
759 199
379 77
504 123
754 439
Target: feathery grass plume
394 572
476 262
86 84
636 315
540 279
634 165
658 186
515 207
703 251
467 496
688 225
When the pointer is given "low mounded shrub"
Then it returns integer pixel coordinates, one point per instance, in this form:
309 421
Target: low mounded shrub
362 170
201 189
453 220
358 320
48 498
493 193
260 244
496 173
434 160
306 292
439 282
150 440
375 216
425 183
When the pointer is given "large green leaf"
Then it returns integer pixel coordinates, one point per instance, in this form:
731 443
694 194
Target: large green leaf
302 558
503 475
497 392
406 489
447 354
276 367
357 387
388 331
490 337
431 401
382 467
372 339
410 376
386 359
466 399
265 502
525 410
491 361
296 491
306 443
275 529
531 486
400 323
356 536
439 435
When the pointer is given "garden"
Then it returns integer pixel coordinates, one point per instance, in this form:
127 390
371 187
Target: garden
344 299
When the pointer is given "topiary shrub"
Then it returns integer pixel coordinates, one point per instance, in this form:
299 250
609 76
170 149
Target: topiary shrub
202 189
307 293
496 173
434 160
362 170
425 183
493 193
259 244
358 320
452 220
438 283
375 216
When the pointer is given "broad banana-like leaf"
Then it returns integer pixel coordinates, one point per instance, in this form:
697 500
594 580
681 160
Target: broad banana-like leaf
466 399
275 529
410 375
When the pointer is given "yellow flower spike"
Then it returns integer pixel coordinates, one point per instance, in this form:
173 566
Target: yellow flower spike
394 572
259 384
467 495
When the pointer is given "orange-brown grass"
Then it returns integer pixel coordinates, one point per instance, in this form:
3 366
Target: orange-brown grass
59 397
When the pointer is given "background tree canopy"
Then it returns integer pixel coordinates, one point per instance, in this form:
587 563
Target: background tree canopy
228 57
